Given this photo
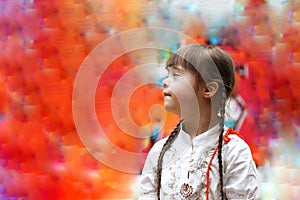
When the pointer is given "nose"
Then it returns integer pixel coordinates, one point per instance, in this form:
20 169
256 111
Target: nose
165 83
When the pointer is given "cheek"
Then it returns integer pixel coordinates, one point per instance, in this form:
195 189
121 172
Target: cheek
185 93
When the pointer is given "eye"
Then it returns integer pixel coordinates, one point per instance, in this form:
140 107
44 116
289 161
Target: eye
175 75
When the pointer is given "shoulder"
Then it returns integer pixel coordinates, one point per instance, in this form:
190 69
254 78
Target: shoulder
158 146
153 154
240 174
237 151
236 143
233 142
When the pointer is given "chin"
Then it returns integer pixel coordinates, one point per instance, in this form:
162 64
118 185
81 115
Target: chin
172 109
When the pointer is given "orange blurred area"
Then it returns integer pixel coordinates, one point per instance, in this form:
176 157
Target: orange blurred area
44 43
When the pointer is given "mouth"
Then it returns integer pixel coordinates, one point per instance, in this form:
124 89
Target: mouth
166 94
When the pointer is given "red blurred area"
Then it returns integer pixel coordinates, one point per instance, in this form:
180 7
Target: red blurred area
43 44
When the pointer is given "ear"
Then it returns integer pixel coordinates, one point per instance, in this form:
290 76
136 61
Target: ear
211 89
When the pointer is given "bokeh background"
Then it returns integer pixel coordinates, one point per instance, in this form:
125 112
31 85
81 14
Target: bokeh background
43 44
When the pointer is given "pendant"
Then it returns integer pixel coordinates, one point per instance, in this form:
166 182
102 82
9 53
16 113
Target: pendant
186 190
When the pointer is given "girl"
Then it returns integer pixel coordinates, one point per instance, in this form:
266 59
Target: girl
199 159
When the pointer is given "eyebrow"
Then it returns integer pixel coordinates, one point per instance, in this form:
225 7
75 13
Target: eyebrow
172 66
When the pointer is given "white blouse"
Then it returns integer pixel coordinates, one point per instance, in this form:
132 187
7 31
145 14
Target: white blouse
186 162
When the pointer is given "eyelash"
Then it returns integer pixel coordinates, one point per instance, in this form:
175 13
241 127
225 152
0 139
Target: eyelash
174 75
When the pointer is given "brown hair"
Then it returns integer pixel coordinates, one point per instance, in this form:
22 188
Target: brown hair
209 63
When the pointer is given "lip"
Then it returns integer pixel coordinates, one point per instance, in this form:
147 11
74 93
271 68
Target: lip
166 94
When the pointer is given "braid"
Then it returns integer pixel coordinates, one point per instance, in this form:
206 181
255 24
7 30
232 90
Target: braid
165 147
222 119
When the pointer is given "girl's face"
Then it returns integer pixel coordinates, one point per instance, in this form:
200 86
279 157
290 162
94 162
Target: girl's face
180 90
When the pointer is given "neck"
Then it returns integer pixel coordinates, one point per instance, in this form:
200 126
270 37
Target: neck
196 127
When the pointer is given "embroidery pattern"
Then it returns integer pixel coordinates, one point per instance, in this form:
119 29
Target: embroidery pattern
186 190
198 166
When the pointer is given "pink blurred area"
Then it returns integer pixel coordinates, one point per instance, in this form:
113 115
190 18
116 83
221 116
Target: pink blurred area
43 44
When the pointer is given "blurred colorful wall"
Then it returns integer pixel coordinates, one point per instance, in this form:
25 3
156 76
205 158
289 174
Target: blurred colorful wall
44 43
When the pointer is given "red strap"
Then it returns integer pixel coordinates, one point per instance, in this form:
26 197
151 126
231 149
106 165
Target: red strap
228 132
207 173
226 139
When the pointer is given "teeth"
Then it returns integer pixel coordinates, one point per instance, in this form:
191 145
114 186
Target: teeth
166 94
